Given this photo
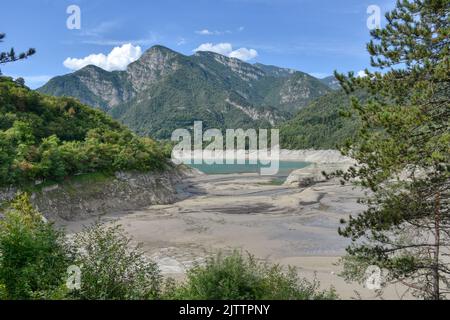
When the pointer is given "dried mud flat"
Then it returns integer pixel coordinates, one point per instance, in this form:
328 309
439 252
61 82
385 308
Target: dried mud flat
290 226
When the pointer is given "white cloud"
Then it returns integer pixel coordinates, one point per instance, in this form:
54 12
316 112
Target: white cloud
118 59
220 48
226 49
205 32
181 41
244 54
361 74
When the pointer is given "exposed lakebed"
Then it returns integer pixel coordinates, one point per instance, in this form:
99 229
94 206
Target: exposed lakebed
280 223
291 226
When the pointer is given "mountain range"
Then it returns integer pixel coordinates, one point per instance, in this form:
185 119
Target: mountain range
165 90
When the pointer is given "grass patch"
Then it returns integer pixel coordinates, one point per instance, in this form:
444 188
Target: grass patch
274 182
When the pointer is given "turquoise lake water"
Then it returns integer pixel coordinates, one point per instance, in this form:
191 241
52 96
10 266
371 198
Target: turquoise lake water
286 167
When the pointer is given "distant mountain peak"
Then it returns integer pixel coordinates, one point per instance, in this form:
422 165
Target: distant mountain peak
164 90
91 68
160 49
156 53
155 63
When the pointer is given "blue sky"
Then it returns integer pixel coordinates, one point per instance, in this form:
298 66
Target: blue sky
314 36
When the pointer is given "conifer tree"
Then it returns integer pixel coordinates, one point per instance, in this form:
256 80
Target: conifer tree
403 152
11 55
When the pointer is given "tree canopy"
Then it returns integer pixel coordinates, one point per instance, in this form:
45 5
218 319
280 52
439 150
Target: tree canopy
403 151
48 138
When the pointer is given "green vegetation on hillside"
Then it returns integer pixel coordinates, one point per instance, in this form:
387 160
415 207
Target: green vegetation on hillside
43 137
321 125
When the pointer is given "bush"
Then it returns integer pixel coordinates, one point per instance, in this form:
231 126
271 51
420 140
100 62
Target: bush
33 255
112 269
242 277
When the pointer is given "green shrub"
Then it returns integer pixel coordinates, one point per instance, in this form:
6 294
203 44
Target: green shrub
3 292
111 268
242 277
33 254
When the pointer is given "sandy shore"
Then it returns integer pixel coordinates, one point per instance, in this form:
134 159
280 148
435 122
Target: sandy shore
291 226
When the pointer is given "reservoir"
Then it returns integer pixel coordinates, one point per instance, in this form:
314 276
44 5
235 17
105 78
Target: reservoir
286 167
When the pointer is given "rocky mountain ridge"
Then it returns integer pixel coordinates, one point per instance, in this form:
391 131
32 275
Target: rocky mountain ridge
165 90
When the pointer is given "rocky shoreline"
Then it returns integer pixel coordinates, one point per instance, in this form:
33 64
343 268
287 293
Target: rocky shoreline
76 199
